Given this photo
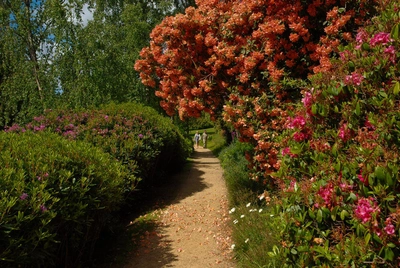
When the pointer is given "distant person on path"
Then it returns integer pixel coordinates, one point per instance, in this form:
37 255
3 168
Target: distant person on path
205 137
196 139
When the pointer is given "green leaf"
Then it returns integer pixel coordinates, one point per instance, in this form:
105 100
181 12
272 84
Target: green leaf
394 34
389 255
367 238
396 88
293 251
314 109
319 215
380 174
358 110
365 46
344 214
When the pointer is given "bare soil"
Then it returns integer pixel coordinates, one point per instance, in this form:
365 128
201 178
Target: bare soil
192 229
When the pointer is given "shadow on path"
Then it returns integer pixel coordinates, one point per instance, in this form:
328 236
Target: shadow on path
156 242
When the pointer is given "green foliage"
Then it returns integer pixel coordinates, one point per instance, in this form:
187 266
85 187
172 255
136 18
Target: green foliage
147 143
55 197
255 224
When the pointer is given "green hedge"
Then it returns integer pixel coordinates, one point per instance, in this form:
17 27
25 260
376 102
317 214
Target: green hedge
144 141
55 197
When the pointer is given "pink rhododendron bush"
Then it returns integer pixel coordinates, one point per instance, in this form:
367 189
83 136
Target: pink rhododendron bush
338 174
137 136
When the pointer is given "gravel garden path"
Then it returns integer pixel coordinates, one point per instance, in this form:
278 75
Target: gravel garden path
192 230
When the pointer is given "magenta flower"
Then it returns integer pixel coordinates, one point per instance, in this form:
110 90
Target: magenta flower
307 99
40 128
286 151
390 50
389 228
326 193
362 179
299 136
344 133
297 122
353 79
365 209
140 136
361 37
380 38
23 196
43 208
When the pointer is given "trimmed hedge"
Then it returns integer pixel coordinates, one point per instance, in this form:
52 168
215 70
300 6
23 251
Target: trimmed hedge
55 197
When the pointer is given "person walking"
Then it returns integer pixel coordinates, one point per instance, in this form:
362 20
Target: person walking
196 139
205 137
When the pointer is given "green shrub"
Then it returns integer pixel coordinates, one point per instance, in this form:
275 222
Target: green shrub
141 139
55 197
236 173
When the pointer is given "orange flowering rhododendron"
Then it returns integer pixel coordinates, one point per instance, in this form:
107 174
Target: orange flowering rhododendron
228 58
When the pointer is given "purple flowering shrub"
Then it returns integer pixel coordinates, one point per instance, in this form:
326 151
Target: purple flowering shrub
55 197
141 139
339 169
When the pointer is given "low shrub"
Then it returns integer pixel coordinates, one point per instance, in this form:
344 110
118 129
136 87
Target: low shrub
55 197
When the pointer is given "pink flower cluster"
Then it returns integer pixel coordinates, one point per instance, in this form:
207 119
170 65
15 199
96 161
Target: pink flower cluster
391 52
361 37
301 136
297 122
380 38
307 99
365 209
326 193
344 133
354 79
286 151
389 228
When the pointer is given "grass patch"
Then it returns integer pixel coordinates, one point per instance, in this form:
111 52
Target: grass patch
254 223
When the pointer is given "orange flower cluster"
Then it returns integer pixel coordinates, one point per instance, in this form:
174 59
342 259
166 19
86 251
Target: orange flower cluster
223 56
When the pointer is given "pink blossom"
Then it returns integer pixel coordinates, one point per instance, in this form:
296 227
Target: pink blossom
362 179
43 208
23 196
297 122
365 209
353 79
361 37
390 50
307 99
389 228
299 136
344 133
286 151
326 193
380 38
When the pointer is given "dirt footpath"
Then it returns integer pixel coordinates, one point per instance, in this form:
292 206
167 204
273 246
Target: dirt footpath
192 231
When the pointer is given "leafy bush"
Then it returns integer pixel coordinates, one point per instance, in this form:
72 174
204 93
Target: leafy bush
55 197
141 139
